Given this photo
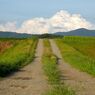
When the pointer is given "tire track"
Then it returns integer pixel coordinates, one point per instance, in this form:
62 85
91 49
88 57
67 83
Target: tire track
81 82
28 81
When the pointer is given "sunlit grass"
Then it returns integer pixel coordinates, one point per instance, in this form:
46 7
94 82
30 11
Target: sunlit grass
17 56
85 45
60 90
5 44
76 57
49 64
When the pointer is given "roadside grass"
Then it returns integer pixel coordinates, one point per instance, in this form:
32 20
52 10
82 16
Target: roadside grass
17 56
60 90
85 45
52 72
75 57
5 44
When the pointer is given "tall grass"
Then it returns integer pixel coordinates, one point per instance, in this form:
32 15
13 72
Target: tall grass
49 64
85 45
52 72
17 56
74 56
5 44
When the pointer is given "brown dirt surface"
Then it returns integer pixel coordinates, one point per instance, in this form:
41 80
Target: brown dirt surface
30 80
81 82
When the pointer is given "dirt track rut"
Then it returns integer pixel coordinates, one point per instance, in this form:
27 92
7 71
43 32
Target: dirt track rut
28 81
81 82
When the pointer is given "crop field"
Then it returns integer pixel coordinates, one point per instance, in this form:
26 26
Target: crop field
4 45
85 45
79 52
15 53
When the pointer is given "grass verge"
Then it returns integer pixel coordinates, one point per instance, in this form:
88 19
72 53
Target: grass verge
17 56
76 58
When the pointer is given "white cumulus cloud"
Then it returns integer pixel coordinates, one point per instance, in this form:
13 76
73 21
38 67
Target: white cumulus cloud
34 26
62 21
9 26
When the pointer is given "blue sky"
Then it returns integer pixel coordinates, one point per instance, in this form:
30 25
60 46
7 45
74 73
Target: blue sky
46 16
20 10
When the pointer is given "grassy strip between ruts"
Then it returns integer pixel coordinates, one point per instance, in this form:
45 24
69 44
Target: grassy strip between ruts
17 56
52 73
76 58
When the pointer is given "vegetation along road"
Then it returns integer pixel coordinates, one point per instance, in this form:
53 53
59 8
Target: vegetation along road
28 81
52 72
81 82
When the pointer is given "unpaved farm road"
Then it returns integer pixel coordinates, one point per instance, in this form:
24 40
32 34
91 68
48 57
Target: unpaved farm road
81 82
28 81
31 79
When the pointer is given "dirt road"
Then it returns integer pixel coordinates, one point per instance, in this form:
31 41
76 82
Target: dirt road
81 82
28 81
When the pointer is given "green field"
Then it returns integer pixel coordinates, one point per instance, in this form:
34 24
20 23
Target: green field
15 53
85 45
79 52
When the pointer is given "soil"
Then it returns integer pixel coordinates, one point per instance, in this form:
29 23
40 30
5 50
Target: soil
28 81
81 82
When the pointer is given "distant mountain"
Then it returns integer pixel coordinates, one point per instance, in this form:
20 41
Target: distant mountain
13 35
78 32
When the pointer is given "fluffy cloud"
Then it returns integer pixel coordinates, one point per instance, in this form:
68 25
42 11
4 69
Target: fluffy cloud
9 26
36 25
62 21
